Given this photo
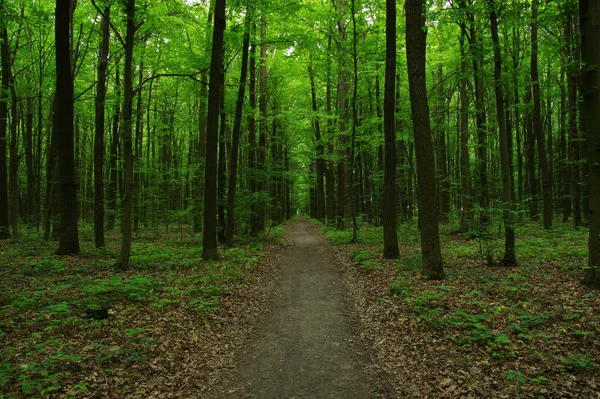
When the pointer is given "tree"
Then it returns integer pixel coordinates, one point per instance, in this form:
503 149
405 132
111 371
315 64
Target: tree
589 11
509 247
127 128
233 161
209 243
69 234
537 118
5 55
432 265
99 134
390 235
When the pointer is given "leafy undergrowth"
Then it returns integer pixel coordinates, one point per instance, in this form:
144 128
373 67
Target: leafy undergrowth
486 331
74 327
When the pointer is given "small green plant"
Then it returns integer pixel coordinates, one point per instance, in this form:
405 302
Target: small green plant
515 378
579 362
400 287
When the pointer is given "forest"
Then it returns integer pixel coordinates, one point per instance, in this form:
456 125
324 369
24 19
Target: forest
159 160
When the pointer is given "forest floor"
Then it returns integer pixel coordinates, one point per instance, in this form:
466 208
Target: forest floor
299 316
486 331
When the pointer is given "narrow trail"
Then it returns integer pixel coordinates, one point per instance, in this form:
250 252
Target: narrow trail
304 346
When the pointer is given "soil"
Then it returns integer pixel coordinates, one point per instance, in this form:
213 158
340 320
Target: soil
304 345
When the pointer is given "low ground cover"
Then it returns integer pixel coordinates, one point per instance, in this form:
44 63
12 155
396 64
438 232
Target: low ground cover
75 327
486 331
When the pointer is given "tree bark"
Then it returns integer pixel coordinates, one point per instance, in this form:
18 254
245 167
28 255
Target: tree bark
5 55
590 33
432 266
209 250
69 234
99 240
321 211
465 167
342 108
127 126
537 119
390 234
235 138
509 247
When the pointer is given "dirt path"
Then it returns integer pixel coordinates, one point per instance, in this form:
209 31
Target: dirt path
304 346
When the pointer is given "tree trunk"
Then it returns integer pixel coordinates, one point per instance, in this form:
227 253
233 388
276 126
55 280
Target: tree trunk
342 107
69 235
509 247
113 183
209 250
442 158
262 135
432 266
466 218
590 33
127 125
5 53
319 149
481 123
537 120
390 234
235 138
99 134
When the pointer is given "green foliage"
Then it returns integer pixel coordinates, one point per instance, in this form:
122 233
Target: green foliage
579 362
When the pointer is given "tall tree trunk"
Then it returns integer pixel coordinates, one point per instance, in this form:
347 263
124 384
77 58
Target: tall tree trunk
261 219
69 234
466 218
509 247
5 53
127 125
99 240
342 108
209 250
235 138
574 156
330 166
32 212
390 234
590 36
481 122
222 164
353 195
537 119
428 208
442 158
113 184
319 149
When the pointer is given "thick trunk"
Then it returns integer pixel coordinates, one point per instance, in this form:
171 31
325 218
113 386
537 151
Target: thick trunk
69 235
432 266
209 250
126 224
590 34
390 235
99 133
505 158
4 220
